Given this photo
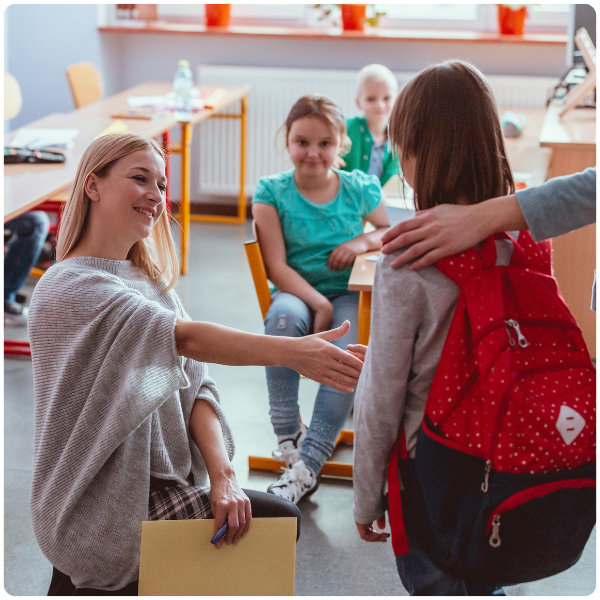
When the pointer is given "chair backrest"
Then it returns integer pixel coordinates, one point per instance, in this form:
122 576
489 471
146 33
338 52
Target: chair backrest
13 100
85 84
259 275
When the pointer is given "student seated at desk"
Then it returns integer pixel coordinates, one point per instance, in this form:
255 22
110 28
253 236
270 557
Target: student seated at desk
309 223
128 423
371 151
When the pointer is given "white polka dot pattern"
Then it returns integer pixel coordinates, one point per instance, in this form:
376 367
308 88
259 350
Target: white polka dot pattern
513 358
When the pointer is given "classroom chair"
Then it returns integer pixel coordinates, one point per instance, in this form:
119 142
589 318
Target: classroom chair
263 293
85 83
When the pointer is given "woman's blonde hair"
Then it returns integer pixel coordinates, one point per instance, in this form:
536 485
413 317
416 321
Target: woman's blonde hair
155 255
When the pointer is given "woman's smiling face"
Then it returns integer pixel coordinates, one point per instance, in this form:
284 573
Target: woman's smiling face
132 195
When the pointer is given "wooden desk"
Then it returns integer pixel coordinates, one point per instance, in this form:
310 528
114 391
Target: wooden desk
26 186
573 144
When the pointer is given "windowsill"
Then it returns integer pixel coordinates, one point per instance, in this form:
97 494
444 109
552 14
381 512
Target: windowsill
375 33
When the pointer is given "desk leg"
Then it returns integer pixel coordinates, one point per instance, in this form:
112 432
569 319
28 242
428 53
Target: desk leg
184 208
243 143
364 317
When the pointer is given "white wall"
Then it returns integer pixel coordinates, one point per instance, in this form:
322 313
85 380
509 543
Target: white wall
44 39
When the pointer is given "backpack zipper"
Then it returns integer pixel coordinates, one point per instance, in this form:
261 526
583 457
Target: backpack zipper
512 323
520 498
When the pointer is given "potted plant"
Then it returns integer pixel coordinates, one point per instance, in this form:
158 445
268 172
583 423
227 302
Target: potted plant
354 16
511 18
218 15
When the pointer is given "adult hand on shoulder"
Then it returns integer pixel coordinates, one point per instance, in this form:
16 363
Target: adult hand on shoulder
433 234
228 502
316 358
343 256
368 534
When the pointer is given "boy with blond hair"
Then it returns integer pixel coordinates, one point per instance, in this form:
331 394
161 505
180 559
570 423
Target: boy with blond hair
370 152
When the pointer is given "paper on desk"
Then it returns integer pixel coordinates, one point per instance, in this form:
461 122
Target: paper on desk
177 559
44 138
167 102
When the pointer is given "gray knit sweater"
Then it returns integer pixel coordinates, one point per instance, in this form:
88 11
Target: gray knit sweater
112 407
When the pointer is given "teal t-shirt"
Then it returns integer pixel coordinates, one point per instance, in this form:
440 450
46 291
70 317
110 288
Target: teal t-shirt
312 231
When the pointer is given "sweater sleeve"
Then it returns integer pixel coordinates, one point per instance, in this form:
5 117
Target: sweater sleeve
560 205
381 393
121 356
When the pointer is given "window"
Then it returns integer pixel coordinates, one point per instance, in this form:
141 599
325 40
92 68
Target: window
550 18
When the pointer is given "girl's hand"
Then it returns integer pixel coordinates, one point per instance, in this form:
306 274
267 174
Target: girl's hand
314 357
358 350
343 256
323 316
338 162
228 502
368 534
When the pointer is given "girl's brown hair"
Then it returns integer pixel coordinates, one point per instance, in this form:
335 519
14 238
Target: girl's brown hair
446 118
320 107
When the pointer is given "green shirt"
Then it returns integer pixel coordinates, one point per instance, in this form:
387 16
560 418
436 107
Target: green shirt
311 231
360 153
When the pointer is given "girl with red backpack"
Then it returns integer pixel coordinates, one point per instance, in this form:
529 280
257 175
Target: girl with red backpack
456 403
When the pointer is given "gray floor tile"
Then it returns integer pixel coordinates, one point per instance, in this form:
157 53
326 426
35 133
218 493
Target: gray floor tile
331 559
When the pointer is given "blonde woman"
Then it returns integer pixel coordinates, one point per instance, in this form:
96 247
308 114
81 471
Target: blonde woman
128 425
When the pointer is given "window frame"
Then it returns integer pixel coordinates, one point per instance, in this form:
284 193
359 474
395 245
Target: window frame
289 16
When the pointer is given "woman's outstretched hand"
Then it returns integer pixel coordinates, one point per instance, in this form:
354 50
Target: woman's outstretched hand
368 534
433 234
316 358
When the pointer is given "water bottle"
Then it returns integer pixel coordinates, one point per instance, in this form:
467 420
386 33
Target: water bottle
183 83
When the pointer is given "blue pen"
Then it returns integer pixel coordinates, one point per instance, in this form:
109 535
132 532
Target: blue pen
218 537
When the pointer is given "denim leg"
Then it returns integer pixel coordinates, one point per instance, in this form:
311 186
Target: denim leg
332 407
288 316
420 577
30 231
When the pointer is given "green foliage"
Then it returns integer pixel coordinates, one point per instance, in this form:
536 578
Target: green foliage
328 9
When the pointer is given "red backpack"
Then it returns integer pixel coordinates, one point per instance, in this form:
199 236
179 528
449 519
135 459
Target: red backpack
502 488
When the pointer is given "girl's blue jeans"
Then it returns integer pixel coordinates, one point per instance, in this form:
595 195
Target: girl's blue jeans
29 234
289 316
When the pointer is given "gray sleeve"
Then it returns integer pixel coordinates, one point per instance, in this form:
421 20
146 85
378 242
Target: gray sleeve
381 392
560 205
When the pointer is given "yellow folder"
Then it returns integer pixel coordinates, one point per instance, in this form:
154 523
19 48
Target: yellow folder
177 559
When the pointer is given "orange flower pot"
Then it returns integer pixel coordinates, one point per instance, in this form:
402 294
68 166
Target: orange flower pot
511 21
218 15
353 17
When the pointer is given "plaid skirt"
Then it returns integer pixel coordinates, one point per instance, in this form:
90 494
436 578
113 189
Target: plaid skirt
179 502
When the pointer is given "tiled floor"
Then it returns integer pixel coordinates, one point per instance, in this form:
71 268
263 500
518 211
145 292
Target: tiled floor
331 559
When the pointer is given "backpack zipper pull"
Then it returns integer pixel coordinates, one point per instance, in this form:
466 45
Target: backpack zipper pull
520 337
486 477
495 537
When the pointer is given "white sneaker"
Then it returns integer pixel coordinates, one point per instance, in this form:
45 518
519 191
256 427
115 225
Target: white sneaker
290 446
296 483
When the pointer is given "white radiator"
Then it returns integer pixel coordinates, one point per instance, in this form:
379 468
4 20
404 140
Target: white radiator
274 93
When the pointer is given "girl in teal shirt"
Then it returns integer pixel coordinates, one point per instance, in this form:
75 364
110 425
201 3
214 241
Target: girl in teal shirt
309 223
